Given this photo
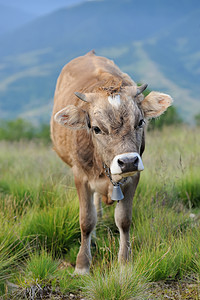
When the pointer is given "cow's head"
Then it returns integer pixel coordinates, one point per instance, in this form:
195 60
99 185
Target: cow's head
116 121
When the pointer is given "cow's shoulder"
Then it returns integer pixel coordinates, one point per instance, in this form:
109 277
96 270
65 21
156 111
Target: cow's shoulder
86 157
84 149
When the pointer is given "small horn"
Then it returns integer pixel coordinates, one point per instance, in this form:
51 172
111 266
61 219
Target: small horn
80 96
141 88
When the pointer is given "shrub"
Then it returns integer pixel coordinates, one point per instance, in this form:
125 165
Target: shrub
43 132
197 119
15 130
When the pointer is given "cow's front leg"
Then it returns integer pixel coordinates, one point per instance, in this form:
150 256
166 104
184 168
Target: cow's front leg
87 219
123 217
123 220
98 205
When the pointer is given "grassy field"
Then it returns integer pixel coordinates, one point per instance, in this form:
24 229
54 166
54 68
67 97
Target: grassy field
40 237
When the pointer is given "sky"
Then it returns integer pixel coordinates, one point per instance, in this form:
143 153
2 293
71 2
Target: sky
39 7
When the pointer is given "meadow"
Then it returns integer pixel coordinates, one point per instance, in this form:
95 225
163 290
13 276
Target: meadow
40 236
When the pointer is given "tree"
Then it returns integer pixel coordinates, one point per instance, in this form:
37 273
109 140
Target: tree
197 119
20 129
16 130
43 132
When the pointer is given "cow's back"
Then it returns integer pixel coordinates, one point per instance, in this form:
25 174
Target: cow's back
84 74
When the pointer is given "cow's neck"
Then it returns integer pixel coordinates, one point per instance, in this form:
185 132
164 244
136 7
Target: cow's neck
87 158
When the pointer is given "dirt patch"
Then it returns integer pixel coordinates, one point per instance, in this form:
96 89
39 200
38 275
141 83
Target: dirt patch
171 290
37 292
175 290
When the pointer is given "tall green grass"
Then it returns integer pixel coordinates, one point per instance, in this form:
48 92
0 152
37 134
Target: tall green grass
41 267
12 253
56 228
39 210
117 283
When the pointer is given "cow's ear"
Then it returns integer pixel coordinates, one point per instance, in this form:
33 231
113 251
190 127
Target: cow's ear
72 117
155 104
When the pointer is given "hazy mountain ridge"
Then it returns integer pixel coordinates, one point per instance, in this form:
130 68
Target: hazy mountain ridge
12 18
148 46
38 7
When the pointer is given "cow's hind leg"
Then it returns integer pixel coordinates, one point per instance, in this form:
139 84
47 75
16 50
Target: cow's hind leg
87 219
123 218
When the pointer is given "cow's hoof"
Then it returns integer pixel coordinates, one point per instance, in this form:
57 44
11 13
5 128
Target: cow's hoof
83 271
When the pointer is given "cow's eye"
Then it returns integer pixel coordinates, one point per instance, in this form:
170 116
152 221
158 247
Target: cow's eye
140 124
96 129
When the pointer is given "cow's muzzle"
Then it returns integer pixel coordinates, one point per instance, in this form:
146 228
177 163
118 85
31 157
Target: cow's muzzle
126 164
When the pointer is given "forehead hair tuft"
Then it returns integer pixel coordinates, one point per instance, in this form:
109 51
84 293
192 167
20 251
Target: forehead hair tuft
113 89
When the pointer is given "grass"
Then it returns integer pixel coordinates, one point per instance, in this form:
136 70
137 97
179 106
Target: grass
119 282
39 210
12 252
35 279
41 267
55 228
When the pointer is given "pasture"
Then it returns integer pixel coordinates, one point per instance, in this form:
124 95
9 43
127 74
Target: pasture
40 237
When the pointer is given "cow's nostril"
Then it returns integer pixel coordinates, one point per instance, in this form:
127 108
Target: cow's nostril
128 164
136 161
121 163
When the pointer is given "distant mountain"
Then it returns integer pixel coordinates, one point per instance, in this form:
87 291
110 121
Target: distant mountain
154 41
39 7
12 18
177 52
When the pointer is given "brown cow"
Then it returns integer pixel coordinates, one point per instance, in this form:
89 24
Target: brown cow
103 113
